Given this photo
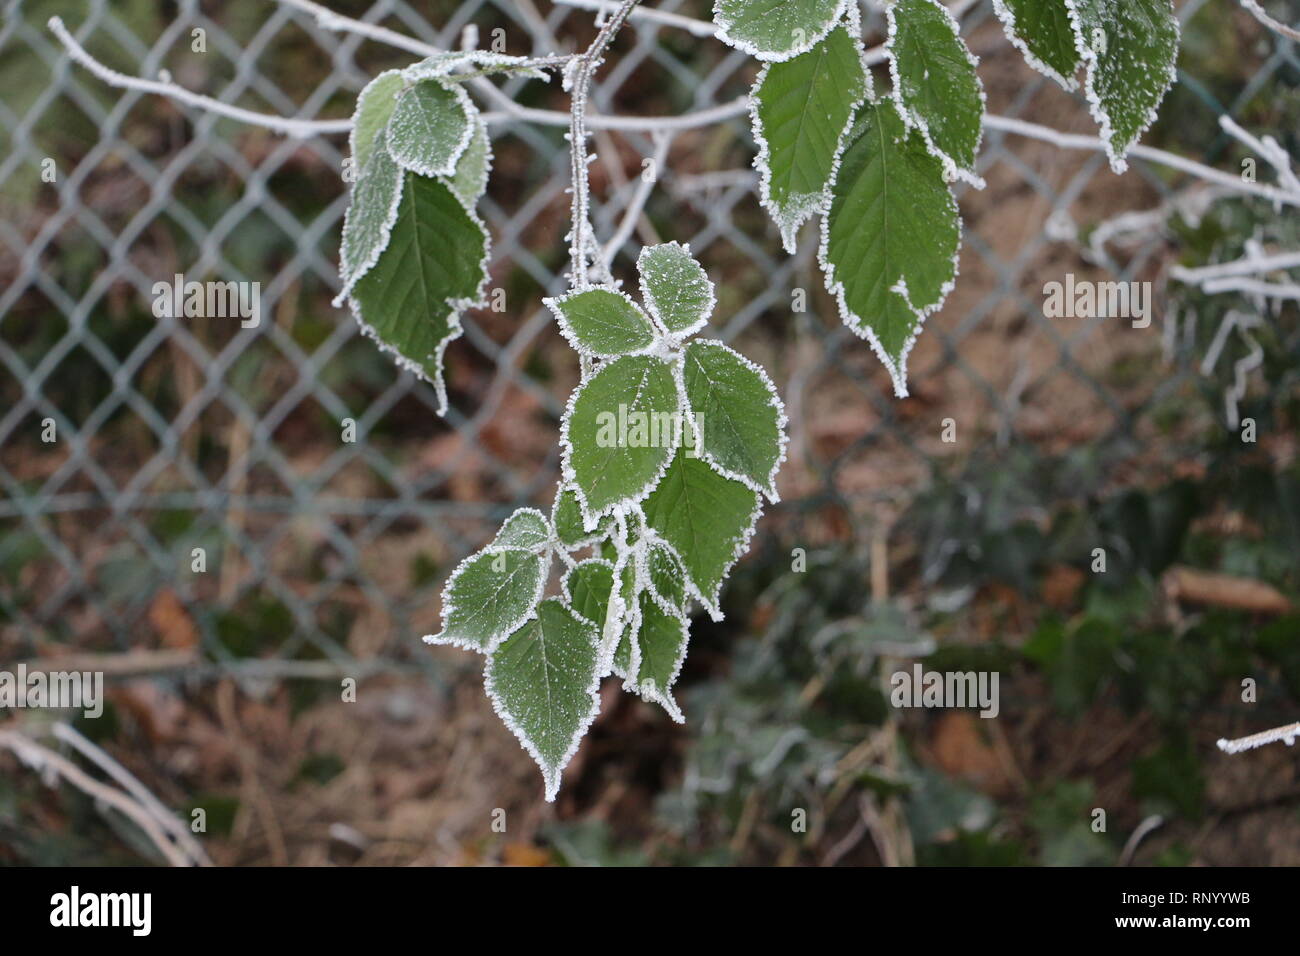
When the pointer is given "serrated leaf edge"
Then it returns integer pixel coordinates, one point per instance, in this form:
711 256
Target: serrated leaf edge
448 605
1008 18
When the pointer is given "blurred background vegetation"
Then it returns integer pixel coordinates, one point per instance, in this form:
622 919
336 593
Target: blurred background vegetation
973 556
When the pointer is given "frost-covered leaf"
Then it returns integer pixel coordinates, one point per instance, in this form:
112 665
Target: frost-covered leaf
707 518
527 528
667 576
1043 32
482 61
589 584
372 211
431 127
544 682
374 106
602 322
661 642
737 415
566 517
676 289
488 596
1131 48
620 431
801 110
469 182
775 29
433 267
889 242
935 84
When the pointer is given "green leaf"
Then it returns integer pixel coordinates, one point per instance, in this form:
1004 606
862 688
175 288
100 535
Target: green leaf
566 517
935 84
589 584
372 210
707 518
470 179
431 126
602 322
435 265
488 596
667 576
676 289
737 416
801 111
1043 32
374 107
660 650
527 528
620 431
1131 48
544 682
775 29
889 242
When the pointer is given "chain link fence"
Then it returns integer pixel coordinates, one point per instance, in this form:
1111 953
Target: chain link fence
187 484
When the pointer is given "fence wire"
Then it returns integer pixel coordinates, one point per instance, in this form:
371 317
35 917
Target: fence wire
176 434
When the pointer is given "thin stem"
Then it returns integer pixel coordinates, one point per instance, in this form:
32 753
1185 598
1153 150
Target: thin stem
1172 160
631 215
1285 734
1256 11
301 128
581 238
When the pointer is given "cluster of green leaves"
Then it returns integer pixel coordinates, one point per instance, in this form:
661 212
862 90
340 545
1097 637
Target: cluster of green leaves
878 168
669 446
414 253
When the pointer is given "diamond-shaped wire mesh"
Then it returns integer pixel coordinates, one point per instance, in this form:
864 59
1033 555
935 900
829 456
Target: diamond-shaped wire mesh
177 437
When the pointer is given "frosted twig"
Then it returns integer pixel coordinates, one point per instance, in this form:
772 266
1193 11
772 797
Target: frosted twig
1269 148
1269 290
1174 161
1258 12
511 111
1238 267
699 28
1138 835
632 214
42 759
581 238
301 128
128 781
1285 734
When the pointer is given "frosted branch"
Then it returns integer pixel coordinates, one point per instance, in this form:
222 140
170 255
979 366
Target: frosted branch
1258 12
1285 734
1172 160
300 128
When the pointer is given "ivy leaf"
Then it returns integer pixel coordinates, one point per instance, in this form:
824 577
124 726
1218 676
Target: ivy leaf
372 211
1131 48
620 431
489 595
374 107
935 84
435 265
527 528
566 517
801 110
589 584
737 416
469 182
707 518
676 289
544 682
775 29
431 127
602 322
889 242
1043 32
661 642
